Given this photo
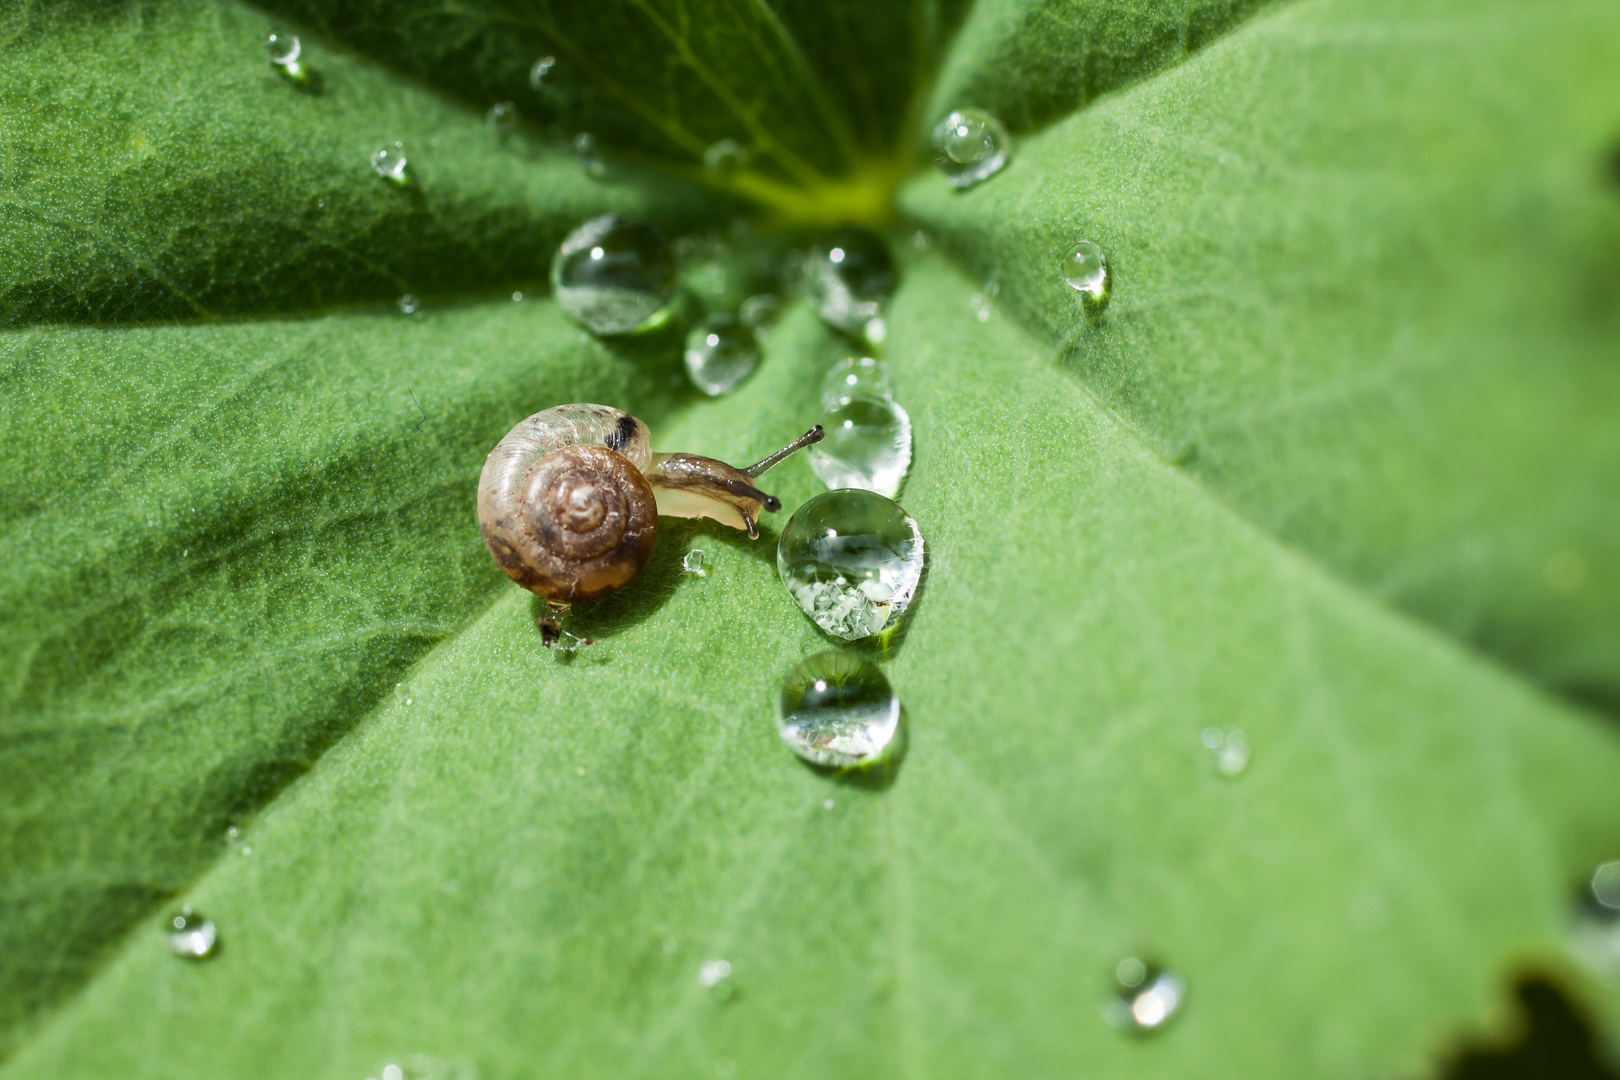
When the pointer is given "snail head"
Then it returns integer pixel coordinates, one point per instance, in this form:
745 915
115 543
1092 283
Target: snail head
689 485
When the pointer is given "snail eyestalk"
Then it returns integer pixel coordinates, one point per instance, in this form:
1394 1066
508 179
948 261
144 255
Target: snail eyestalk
760 468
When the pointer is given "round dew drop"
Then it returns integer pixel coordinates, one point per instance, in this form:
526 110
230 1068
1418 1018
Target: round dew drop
867 445
853 376
849 276
389 162
612 275
836 709
1146 996
851 560
192 936
970 145
720 353
1086 270
283 51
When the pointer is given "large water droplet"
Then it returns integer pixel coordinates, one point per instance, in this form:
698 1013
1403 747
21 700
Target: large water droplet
868 445
1146 996
855 375
191 935
1606 885
851 560
389 161
837 709
724 158
612 275
502 117
849 276
542 67
283 51
1229 748
970 145
1086 270
720 353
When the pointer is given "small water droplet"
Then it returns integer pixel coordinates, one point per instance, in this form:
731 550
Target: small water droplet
849 276
837 709
390 162
284 50
760 312
191 935
393 1072
1146 996
502 117
516 297
1086 270
693 563
586 153
714 972
867 445
1566 572
1606 885
542 67
828 804
851 560
854 376
407 304
724 158
720 353
970 145
1229 748
612 275
875 332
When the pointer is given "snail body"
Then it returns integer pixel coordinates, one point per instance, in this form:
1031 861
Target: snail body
569 500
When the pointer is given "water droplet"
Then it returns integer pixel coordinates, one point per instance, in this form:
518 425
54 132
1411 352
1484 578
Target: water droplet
612 275
849 276
283 51
837 709
1229 748
725 158
1086 271
868 445
586 153
851 560
389 161
760 312
720 353
392 1072
855 375
542 67
693 563
876 331
1146 996
1606 885
407 304
714 972
970 145
502 117
828 804
516 297
191 935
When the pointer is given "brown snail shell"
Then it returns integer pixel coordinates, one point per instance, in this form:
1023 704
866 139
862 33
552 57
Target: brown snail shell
568 502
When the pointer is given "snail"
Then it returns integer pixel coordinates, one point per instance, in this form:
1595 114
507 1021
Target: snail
569 500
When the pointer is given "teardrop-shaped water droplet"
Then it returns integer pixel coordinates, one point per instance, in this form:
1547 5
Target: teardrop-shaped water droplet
760 312
853 376
191 935
1230 749
724 158
837 709
867 445
284 50
611 275
970 145
720 353
586 153
851 560
502 117
1086 270
389 161
542 67
849 276
1146 996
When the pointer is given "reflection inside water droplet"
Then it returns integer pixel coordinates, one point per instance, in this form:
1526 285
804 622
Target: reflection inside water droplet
849 276
851 560
970 145
856 375
1146 996
190 935
867 445
612 275
837 709
1086 271
389 162
1229 748
720 353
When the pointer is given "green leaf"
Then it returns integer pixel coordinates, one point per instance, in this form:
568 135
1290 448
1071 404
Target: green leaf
1306 475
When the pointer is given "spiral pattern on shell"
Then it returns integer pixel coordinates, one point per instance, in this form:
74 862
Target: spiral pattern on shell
563 504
